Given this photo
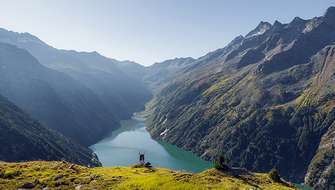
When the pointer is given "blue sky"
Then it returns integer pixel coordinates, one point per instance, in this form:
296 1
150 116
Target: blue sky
148 31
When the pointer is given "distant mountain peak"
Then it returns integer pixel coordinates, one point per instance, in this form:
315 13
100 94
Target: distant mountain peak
298 20
330 12
24 38
95 53
260 29
31 38
297 23
277 26
237 39
330 16
277 23
177 60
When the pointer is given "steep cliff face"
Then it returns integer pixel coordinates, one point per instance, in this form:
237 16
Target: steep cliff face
23 138
264 101
321 171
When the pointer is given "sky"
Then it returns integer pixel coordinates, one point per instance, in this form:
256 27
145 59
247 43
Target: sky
148 31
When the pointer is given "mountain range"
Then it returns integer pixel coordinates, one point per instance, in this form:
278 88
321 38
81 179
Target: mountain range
82 95
264 101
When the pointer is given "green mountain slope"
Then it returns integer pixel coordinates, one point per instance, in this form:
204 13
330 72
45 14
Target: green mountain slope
57 175
264 101
23 138
55 99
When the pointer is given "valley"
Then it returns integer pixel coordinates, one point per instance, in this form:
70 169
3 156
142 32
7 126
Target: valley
265 101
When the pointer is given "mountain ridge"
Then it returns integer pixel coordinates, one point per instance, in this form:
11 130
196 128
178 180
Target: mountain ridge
267 90
53 98
23 138
88 79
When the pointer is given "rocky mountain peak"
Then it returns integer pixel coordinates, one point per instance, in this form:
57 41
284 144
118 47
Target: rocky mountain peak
329 16
236 40
277 24
297 24
260 29
330 12
297 20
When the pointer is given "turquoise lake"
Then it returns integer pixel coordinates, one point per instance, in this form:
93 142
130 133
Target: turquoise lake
122 148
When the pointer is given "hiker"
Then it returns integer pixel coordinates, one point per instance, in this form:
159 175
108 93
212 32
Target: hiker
142 158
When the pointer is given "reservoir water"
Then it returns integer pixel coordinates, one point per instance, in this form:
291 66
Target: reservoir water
122 148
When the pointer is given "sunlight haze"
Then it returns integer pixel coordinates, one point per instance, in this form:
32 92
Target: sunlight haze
147 31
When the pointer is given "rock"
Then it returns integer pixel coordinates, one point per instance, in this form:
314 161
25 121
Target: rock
27 185
72 167
148 165
78 187
94 177
57 177
36 181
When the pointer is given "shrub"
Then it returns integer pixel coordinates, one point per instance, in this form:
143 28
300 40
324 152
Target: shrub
148 165
9 174
138 165
274 175
221 163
